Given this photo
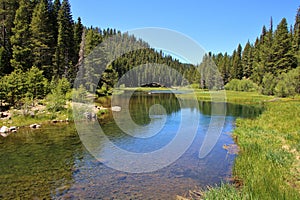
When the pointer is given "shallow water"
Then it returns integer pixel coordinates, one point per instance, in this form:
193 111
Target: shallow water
53 163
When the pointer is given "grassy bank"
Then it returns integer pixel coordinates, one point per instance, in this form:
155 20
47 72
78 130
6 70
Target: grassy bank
268 165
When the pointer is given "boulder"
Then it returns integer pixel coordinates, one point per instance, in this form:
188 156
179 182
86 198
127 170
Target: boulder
4 129
12 128
116 108
35 126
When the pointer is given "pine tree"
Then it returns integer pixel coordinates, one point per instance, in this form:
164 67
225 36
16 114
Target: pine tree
7 14
42 38
247 60
78 31
296 36
65 43
93 39
284 60
21 46
237 68
258 69
54 9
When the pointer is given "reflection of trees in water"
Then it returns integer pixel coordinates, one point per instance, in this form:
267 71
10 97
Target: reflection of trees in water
235 110
140 104
39 163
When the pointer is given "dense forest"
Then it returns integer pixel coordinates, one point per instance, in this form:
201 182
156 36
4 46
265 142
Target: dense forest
270 65
42 48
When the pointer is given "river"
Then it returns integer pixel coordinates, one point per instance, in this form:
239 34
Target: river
54 163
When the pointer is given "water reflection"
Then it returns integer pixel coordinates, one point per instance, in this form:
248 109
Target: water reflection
52 162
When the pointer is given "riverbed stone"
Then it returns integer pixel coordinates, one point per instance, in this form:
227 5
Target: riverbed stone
4 129
35 126
12 128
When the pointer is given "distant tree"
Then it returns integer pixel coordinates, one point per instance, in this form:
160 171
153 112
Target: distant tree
92 39
247 60
237 68
78 31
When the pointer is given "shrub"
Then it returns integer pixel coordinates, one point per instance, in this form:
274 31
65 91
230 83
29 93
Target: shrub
285 86
268 84
244 85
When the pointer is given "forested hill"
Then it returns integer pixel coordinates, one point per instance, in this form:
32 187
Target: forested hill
40 37
41 43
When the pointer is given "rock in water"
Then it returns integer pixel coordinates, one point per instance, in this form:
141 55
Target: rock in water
35 126
116 108
4 129
13 128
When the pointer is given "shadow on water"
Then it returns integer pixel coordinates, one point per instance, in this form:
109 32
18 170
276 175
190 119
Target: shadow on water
53 163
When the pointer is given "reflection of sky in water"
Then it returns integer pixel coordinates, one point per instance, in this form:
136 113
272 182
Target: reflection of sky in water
52 161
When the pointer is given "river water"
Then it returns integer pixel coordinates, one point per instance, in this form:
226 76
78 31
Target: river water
53 162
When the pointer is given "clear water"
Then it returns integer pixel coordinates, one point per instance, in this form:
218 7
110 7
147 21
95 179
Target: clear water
52 162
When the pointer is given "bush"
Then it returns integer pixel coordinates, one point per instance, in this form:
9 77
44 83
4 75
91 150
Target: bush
285 86
268 84
244 85
79 95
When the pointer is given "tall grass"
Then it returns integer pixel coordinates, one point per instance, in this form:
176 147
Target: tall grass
268 163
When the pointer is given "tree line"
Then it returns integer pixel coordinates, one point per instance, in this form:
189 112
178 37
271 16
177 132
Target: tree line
41 43
270 65
41 36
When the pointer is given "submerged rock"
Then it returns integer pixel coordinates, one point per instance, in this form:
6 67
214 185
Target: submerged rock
4 129
34 126
12 129
116 108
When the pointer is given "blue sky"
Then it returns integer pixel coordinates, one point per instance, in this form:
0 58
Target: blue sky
216 25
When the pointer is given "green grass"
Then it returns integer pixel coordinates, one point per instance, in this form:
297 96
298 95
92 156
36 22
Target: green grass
268 164
20 120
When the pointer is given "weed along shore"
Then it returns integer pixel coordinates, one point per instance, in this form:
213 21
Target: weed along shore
268 163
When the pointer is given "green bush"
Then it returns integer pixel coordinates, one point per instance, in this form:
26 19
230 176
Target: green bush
268 84
244 85
286 85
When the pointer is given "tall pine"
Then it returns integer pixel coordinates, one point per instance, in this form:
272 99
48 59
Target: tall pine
283 58
65 52
20 41
296 36
247 60
7 14
237 68
42 38
78 31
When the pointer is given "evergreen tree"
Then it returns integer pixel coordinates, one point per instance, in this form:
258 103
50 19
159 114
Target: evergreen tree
7 14
296 36
78 31
283 58
266 50
64 55
21 46
54 9
258 68
237 68
42 38
247 60
93 38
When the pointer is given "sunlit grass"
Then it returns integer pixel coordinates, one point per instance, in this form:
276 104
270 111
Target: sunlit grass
268 163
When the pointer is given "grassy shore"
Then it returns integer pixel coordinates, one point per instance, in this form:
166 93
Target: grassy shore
268 165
